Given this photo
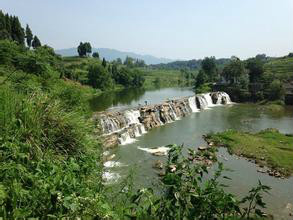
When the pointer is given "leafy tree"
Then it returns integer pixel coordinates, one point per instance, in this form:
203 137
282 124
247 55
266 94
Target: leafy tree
104 62
209 66
17 32
88 48
96 55
29 36
255 67
119 61
233 70
84 48
36 42
201 78
129 61
276 90
99 77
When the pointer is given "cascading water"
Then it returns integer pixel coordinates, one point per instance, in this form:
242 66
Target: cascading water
208 98
192 104
128 125
173 114
202 102
125 139
132 116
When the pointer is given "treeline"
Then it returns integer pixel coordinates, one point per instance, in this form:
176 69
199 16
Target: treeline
187 65
244 80
11 29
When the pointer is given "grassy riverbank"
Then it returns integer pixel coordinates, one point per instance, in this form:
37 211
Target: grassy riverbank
268 147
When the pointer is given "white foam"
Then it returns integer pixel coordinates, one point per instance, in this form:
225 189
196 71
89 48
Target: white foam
110 164
163 150
110 176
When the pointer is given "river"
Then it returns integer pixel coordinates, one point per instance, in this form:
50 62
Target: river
189 131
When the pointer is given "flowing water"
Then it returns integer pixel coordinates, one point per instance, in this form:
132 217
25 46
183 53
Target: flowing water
189 130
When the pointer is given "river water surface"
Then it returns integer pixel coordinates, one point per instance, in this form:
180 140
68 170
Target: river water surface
189 131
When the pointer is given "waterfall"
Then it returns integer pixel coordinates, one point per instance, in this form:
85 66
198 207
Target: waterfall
173 114
137 131
109 125
141 129
125 139
124 127
192 104
208 98
132 116
203 104
227 97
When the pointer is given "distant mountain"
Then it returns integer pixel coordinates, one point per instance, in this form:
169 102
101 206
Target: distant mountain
112 54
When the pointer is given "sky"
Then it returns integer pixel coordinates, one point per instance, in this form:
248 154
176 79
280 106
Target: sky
176 29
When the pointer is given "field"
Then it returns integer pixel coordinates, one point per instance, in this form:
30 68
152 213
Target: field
282 68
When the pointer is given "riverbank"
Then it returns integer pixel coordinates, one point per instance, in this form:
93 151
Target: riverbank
268 148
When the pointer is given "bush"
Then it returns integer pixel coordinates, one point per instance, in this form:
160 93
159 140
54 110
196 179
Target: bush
276 90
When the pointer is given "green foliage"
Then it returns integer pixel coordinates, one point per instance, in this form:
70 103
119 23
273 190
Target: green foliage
201 78
36 42
187 193
275 90
99 77
96 55
10 28
204 88
233 71
28 36
48 164
84 48
208 65
256 69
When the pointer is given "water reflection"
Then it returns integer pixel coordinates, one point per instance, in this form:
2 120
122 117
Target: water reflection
130 98
110 99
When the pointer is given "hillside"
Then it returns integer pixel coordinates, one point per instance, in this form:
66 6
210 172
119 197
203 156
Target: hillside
280 67
112 54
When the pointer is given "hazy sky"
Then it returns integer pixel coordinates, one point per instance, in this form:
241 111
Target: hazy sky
183 29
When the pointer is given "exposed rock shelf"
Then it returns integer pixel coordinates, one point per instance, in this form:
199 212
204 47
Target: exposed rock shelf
124 127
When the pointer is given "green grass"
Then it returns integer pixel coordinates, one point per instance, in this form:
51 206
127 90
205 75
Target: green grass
268 147
282 68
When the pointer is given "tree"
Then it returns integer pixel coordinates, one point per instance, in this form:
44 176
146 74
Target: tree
84 48
104 62
81 50
276 90
209 66
28 36
119 61
233 70
36 42
201 78
129 61
99 77
96 55
17 32
88 48
255 68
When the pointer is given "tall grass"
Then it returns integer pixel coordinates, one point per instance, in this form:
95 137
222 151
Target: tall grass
49 163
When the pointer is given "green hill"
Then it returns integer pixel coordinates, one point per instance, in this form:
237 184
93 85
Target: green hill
281 67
